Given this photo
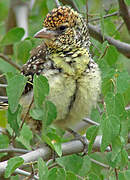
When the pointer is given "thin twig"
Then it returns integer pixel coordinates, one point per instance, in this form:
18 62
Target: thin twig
7 59
99 50
32 172
23 120
105 16
79 177
104 53
54 165
25 173
90 121
118 29
99 163
122 47
99 110
116 173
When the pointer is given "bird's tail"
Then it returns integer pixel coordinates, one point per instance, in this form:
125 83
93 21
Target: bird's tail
3 102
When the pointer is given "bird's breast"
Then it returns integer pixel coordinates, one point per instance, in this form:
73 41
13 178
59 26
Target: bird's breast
62 90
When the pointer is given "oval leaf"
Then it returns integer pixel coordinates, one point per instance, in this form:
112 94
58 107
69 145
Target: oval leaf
12 36
13 164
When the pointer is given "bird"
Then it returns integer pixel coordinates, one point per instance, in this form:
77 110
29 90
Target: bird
64 59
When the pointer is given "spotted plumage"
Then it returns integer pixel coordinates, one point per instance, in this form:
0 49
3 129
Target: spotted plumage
65 60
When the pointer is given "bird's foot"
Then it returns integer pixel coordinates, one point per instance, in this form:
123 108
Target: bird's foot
80 138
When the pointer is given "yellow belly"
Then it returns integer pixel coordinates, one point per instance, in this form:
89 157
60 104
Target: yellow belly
87 92
62 90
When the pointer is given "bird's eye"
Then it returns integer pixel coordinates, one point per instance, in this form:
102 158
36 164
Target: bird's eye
62 28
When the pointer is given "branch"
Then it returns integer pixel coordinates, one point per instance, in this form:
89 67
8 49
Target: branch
68 148
125 13
122 47
12 63
16 150
105 16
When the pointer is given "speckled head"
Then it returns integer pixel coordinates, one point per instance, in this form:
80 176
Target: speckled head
64 29
59 16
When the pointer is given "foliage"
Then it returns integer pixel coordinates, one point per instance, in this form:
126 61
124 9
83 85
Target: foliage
114 120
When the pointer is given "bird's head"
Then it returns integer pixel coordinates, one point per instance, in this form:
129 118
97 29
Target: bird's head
64 29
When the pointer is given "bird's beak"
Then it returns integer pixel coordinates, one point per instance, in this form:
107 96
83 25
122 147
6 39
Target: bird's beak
45 34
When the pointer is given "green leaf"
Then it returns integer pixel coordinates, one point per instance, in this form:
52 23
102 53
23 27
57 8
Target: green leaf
124 158
115 105
47 113
106 130
54 141
107 85
117 146
15 177
12 36
25 136
4 6
93 176
3 118
13 164
110 28
123 82
22 50
119 106
14 119
111 55
4 141
86 166
110 103
50 5
71 176
40 89
70 163
95 115
6 67
127 2
16 84
42 170
113 161
110 127
37 113
50 113
91 135
124 175
80 6
57 173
